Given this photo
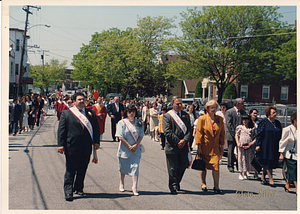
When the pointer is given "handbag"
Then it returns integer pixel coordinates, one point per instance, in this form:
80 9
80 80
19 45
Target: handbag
256 164
198 164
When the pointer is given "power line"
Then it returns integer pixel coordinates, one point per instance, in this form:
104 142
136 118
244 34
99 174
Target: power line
62 29
16 19
60 55
239 37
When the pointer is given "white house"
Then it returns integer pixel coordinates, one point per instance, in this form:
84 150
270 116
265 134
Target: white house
15 50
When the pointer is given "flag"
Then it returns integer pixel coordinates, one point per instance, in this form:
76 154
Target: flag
96 95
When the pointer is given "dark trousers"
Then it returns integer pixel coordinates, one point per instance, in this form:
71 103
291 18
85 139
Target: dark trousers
15 126
21 122
38 118
75 164
176 164
230 154
163 140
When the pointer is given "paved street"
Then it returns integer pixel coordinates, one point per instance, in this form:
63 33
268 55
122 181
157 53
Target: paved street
36 172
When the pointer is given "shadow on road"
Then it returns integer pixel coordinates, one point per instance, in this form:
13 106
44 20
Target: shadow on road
104 195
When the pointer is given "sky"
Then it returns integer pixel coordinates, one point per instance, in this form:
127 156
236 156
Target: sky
72 26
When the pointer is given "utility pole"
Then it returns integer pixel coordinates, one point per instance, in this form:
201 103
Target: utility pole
26 9
43 61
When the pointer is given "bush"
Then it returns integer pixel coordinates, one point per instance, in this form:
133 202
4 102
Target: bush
230 91
198 89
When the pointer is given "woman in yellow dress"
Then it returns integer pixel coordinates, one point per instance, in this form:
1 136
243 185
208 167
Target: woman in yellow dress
210 143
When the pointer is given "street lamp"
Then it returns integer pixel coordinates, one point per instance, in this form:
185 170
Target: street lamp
38 25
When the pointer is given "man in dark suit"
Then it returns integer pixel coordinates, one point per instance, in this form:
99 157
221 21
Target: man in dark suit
178 132
15 113
40 102
233 119
114 111
78 131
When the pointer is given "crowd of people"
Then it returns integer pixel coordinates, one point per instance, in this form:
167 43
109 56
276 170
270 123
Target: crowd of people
245 137
28 111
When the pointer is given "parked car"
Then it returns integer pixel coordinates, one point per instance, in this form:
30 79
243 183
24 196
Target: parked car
113 95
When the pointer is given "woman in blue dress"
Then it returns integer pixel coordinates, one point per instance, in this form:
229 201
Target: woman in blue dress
267 144
130 131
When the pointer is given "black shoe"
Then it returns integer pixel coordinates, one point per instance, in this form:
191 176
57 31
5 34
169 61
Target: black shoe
288 191
264 182
272 185
162 148
69 197
114 140
178 187
204 189
217 191
231 170
81 193
174 192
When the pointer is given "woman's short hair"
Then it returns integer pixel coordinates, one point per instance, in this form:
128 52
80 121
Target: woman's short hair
293 117
268 110
224 104
164 108
211 103
130 107
252 110
154 103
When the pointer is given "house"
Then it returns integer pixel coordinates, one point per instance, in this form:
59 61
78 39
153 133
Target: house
16 41
284 93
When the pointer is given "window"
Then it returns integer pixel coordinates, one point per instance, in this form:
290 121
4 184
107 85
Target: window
216 91
265 92
11 68
18 45
17 69
244 91
284 93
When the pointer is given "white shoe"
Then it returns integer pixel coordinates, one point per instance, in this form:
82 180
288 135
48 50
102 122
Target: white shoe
245 177
156 140
121 188
241 177
135 193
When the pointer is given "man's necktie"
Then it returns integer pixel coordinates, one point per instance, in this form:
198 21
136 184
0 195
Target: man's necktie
239 114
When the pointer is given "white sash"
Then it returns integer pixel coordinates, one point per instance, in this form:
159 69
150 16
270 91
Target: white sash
64 102
59 101
178 121
83 119
133 131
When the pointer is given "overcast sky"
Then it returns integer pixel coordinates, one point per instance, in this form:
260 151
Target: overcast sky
72 26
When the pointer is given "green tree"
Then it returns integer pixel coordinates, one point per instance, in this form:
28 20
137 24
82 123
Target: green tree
126 61
230 91
199 89
53 71
226 43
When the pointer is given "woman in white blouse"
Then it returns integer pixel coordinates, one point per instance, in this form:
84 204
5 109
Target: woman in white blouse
288 151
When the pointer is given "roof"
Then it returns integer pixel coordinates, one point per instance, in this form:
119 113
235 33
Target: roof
191 84
19 30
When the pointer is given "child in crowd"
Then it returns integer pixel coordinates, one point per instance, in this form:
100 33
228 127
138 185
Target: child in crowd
160 128
245 140
42 117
